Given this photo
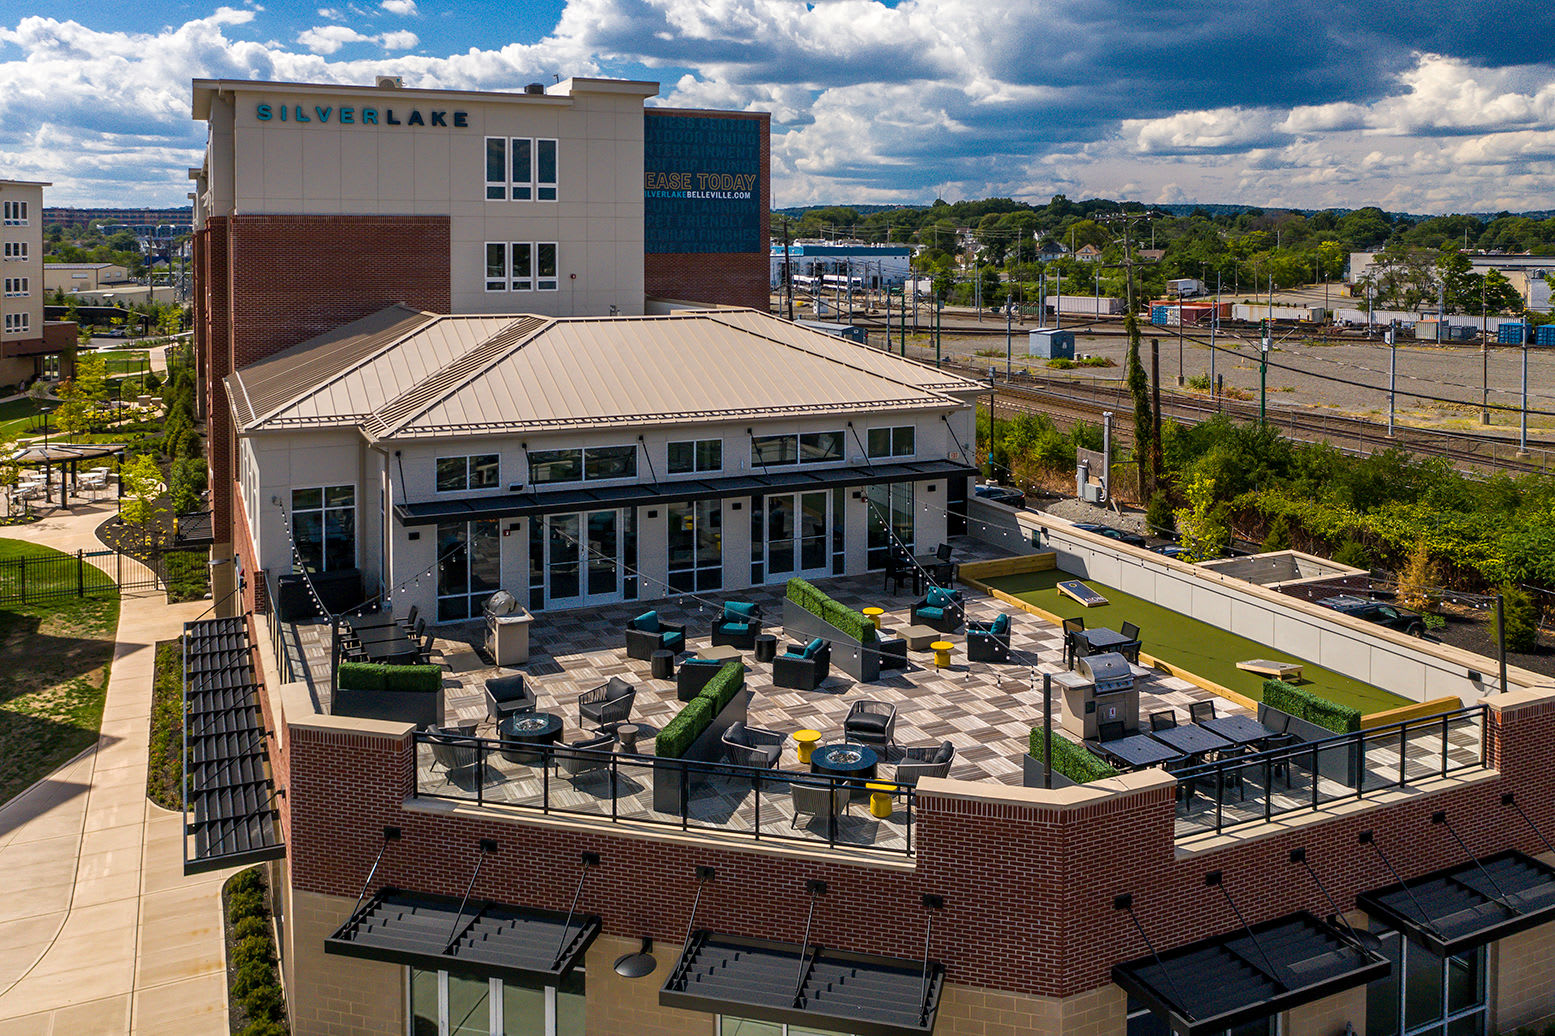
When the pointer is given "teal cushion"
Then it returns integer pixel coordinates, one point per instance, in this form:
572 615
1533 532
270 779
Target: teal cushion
1001 625
931 613
702 661
939 597
739 610
647 622
811 648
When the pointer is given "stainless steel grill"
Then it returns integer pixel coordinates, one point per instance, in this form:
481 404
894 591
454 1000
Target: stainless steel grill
507 629
1109 671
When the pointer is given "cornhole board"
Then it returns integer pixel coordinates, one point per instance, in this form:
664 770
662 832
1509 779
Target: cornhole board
1079 592
1277 670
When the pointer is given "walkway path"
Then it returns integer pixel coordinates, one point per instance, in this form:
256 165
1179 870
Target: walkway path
100 932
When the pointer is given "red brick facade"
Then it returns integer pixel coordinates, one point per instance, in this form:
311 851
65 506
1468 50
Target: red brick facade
265 283
719 278
1028 889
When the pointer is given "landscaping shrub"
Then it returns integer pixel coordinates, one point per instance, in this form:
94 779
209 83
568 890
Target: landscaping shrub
1070 759
249 926
248 903
1159 517
246 881
1303 704
265 1027
362 676
1353 554
851 623
1278 537
251 976
677 735
426 679
1521 617
165 755
265 1003
256 949
257 1002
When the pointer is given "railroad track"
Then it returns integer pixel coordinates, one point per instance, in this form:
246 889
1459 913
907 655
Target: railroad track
1068 401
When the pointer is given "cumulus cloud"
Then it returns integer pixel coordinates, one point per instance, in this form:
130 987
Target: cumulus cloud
404 8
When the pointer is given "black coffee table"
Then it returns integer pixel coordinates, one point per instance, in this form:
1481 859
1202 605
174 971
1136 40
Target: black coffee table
845 760
528 728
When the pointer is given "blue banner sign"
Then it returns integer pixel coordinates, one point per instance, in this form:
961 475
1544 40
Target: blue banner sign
702 184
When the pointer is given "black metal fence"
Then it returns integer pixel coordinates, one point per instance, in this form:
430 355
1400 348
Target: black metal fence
32 579
761 804
1254 788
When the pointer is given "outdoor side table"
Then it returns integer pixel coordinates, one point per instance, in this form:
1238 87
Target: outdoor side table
873 615
766 647
627 734
663 665
880 799
806 740
919 637
941 649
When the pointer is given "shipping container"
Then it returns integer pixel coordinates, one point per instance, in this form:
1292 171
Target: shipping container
1544 334
1085 305
1512 334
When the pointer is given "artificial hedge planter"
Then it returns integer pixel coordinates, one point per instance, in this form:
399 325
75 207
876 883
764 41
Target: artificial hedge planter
1303 704
400 693
256 1004
1070 760
696 733
808 613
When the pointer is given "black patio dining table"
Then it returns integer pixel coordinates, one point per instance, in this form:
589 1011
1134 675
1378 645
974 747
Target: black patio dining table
1138 750
373 621
381 634
1191 739
400 650
1103 639
1239 730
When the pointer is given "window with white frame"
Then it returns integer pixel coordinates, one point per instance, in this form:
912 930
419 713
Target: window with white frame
15 250
444 1003
1427 995
455 474
690 456
521 169
892 442
521 266
15 213
16 287
18 322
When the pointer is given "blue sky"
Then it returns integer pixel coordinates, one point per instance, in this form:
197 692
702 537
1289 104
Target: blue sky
1424 105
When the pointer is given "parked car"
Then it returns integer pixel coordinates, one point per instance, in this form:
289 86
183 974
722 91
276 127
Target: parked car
1133 539
1394 618
1001 495
1175 551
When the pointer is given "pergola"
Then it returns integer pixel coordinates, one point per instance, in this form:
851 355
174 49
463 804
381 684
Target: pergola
66 453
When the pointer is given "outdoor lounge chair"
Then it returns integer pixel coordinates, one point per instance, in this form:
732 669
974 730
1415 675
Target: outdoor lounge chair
871 723
453 750
581 758
802 668
929 761
693 675
940 609
818 799
988 642
753 746
646 634
506 695
738 625
607 703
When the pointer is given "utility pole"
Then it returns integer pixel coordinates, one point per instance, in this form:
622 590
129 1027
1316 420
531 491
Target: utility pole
1180 317
1391 337
1155 416
1484 357
1263 375
1522 438
1058 300
939 318
1214 325
1008 328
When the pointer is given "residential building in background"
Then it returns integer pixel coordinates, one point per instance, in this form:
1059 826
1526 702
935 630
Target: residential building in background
25 338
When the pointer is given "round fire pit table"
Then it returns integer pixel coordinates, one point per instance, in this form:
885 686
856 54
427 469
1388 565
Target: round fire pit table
844 761
528 728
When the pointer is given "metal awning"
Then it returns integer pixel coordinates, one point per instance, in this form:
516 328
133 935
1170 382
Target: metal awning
805 985
474 937
1220 983
517 505
1466 906
229 809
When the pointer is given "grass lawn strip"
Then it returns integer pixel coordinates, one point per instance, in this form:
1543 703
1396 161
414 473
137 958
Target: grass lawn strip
54 660
59 575
1198 647
165 764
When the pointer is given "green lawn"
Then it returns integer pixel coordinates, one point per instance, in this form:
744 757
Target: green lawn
54 661
123 361
1198 647
20 416
58 574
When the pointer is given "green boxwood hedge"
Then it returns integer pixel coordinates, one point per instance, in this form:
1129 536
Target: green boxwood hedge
1303 704
698 714
807 596
1070 759
371 676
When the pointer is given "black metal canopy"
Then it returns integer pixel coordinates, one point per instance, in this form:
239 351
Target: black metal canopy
1468 905
814 986
229 811
475 937
517 505
1229 980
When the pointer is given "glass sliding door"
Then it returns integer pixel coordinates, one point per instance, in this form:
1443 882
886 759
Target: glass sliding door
696 551
798 535
889 519
579 559
469 568
563 548
604 556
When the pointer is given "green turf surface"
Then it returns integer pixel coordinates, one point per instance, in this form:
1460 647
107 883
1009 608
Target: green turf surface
1198 647
20 416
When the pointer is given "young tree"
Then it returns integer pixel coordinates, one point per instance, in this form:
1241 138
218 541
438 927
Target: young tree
1418 581
1278 537
142 481
1202 526
1139 389
81 398
1521 616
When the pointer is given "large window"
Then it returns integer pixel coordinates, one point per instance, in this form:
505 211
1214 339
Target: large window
889 519
596 463
16 287
521 266
18 321
15 213
324 527
469 568
892 442
461 473
696 455
819 447
1427 995
696 549
809 448
531 176
446 1003
16 250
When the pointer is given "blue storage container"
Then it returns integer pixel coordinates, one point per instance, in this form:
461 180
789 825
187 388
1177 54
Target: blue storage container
1512 334
1158 315
1544 334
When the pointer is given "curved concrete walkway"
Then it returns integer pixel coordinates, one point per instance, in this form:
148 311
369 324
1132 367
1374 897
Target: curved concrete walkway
100 932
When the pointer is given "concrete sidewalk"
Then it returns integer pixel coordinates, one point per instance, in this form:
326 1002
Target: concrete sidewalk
100 932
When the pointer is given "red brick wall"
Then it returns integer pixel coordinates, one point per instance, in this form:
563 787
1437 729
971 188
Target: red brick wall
1028 891
724 279
266 283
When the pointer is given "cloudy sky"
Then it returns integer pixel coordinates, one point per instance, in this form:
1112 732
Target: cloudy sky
1416 105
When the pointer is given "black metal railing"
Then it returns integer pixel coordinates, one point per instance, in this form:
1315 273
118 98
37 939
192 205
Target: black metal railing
763 804
31 578
1256 787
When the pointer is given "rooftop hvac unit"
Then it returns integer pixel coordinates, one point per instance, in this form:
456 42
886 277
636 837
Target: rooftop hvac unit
390 83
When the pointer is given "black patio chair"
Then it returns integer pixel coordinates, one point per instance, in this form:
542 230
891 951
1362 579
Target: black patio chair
988 641
506 695
928 761
608 703
583 758
871 723
1165 720
1200 711
897 572
755 747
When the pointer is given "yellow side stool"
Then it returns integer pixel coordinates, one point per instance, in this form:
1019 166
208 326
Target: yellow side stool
806 740
941 649
873 615
880 799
